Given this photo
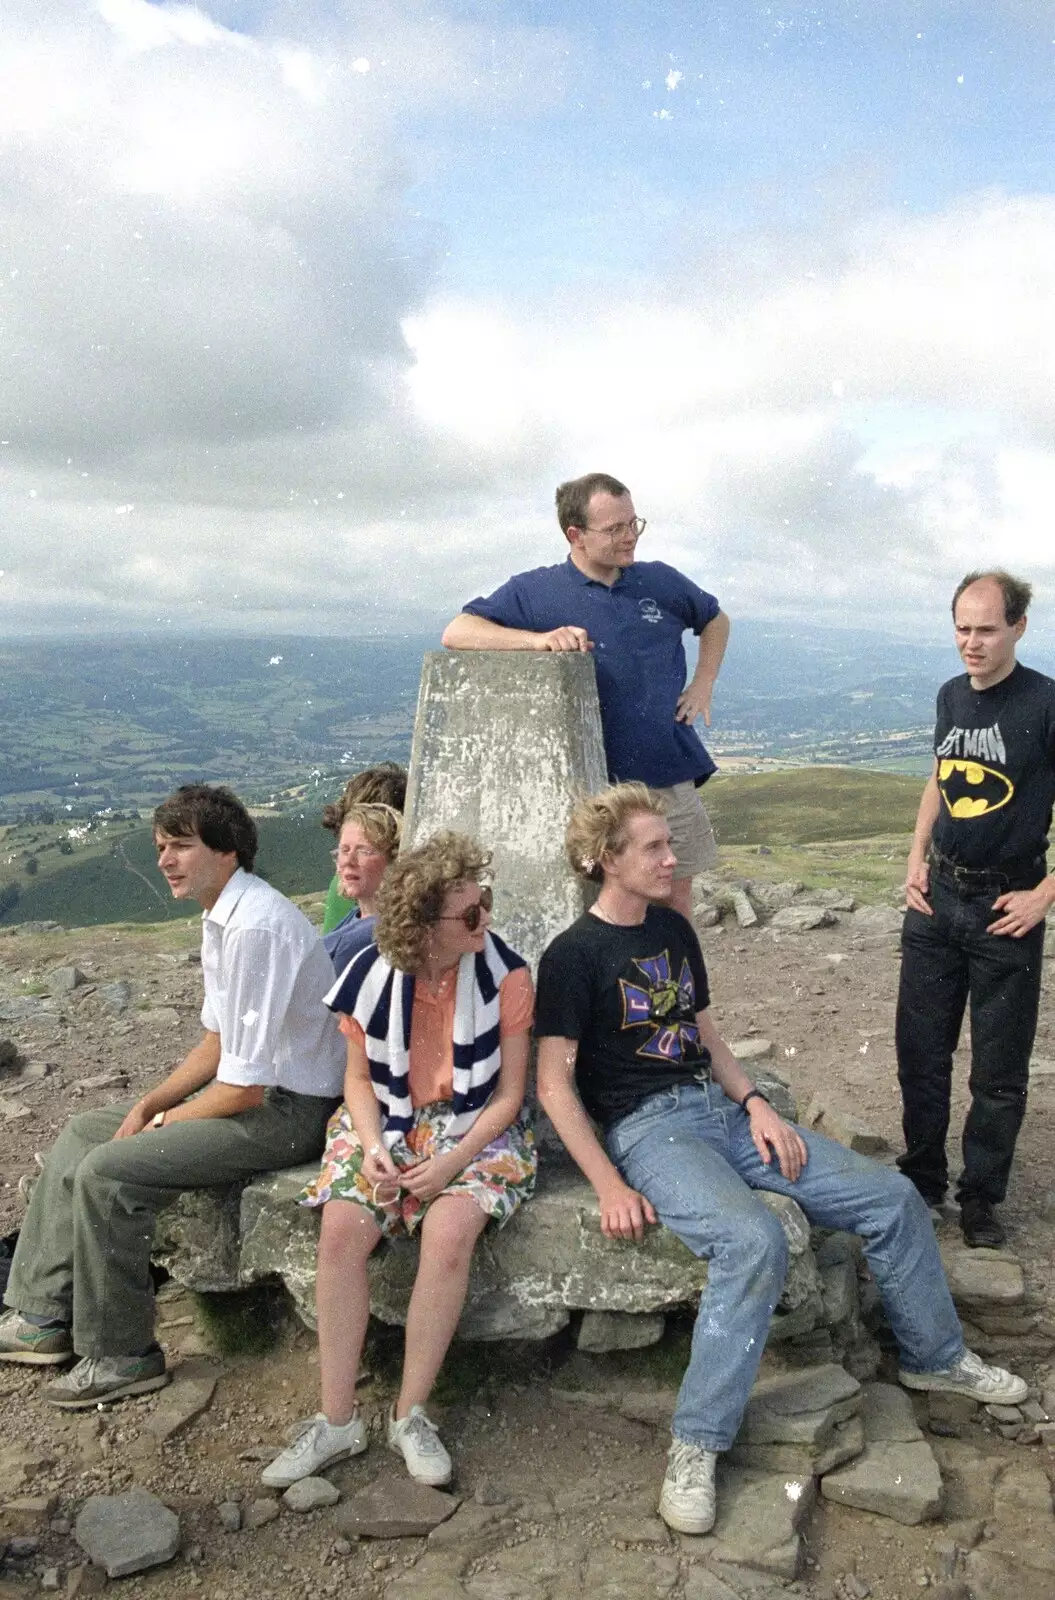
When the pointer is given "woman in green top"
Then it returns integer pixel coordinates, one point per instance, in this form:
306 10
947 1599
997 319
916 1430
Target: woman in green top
382 785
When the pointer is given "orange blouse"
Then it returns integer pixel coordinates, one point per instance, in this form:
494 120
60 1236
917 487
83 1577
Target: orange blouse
432 1030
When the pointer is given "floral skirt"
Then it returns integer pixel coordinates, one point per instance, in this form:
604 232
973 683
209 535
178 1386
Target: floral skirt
498 1178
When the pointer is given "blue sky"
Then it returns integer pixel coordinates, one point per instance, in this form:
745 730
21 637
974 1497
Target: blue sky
305 308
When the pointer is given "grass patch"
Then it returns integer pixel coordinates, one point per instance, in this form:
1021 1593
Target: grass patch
811 805
870 869
245 1323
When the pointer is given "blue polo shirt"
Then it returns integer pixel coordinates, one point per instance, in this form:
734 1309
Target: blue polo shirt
636 626
348 938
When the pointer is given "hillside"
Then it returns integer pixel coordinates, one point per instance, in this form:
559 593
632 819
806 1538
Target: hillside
117 721
110 875
811 805
116 879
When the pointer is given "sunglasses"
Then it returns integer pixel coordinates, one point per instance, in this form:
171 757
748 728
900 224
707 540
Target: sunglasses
472 915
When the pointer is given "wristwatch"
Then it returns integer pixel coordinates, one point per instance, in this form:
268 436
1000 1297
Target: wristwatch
158 1120
753 1094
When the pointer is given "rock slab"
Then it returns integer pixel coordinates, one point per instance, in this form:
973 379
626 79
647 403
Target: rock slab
601 1331
310 1494
760 1518
900 1481
128 1532
395 1508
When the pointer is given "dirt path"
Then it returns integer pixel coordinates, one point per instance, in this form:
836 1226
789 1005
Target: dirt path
579 1484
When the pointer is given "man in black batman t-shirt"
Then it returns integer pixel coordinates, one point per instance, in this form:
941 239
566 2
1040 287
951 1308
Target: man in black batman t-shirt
627 1039
978 891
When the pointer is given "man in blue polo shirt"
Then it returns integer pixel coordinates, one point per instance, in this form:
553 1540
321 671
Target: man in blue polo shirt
632 615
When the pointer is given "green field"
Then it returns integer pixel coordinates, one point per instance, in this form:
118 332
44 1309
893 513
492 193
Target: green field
118 881
827 825
811 805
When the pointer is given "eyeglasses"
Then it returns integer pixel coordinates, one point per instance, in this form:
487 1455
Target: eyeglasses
620 530
472 915
361 852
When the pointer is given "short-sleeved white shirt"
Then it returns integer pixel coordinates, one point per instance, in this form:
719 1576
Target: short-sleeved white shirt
266 971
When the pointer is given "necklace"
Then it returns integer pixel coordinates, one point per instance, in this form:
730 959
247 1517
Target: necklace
597 910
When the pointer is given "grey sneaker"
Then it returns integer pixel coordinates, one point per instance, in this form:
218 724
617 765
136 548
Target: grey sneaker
686 1502
416 1439
972 1377
318 1444
31 1345
98 1380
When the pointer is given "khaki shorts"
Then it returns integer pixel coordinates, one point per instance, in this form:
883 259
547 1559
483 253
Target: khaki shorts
691 835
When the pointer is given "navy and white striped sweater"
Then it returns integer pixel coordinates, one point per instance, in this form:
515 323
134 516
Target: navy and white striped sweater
381 999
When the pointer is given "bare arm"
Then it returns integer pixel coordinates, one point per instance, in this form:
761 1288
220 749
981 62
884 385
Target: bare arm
365 1113
695 700
624 1212
195 1071
469 632
771 1134
917 875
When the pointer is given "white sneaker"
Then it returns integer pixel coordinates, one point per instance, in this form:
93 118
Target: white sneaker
318 1444
415 1438
686 1502
971 1376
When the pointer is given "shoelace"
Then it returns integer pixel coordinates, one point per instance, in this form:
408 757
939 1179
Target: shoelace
424 1433
691 1467
972 1366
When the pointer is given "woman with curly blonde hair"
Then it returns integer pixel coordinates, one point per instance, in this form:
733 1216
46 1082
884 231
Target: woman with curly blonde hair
437 1012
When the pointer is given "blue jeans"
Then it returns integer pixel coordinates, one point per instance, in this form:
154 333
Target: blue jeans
689 1150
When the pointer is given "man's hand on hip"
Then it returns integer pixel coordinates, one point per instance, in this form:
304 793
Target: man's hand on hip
1022 909
695 701
917 887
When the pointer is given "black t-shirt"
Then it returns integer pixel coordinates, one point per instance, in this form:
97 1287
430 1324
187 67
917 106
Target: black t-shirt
995 750
629 995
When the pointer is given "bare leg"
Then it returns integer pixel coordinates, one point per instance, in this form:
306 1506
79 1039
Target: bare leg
681 897
452 1225
342 1302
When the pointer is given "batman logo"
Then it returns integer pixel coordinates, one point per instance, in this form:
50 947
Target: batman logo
971 790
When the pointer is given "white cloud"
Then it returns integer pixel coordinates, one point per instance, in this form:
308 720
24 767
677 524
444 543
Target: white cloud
763 427
232 397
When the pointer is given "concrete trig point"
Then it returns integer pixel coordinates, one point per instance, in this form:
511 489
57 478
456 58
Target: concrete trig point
505 742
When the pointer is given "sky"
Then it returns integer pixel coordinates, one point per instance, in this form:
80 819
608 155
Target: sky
306 307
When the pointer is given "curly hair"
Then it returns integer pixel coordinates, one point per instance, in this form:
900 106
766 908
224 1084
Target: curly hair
382 825
598 825
382 785
410 899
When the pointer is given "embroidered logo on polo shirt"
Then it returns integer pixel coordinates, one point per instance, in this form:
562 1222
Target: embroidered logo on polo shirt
649 610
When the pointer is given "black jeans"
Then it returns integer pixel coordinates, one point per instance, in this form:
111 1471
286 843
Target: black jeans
944 959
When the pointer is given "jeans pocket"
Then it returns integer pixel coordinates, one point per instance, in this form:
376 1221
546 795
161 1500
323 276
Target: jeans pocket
623 1135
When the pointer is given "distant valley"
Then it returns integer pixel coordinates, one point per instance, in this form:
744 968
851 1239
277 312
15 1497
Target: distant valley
94 731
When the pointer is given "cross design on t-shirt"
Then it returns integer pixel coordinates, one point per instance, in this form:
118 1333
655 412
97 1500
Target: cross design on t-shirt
650 1004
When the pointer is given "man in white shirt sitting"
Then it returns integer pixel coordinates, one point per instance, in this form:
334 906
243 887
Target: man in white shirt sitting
254 1094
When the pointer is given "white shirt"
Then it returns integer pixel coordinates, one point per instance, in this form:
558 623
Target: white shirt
266 971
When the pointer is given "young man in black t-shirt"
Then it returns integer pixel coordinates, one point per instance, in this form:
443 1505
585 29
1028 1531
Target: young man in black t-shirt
978 891
626 1038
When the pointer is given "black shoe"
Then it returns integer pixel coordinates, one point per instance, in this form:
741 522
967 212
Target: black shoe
981 1230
